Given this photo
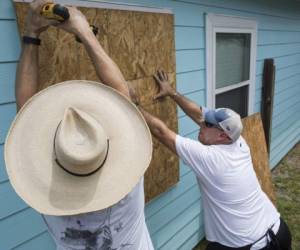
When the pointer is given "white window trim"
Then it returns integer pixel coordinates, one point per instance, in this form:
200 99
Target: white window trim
231 24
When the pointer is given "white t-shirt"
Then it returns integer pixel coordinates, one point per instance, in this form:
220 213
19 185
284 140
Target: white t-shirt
236 210
120 227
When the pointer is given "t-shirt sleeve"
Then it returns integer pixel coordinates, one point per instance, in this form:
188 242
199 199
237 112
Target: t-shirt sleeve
196 155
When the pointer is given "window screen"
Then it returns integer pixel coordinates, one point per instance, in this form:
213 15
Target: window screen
232 58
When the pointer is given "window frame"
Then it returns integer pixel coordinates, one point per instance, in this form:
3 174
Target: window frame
216 23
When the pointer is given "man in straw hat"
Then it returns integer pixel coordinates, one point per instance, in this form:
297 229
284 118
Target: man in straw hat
73 151
237 213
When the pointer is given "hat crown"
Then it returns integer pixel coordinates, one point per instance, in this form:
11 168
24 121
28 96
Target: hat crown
80 142
227 119
231 123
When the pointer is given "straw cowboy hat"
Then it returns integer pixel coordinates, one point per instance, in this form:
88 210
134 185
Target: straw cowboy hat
77 147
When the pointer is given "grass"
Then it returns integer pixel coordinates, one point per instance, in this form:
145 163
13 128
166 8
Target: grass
286 179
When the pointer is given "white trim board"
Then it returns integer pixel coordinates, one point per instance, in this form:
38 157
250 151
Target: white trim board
228 24
108 5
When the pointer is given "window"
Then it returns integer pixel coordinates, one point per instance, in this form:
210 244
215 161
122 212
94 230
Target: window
230 62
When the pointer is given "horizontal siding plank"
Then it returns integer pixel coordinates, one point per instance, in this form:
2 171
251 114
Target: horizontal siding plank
157 221
187 16
281 117
41 241
287 72
189 60
284 126
7 114
286 94
287 83
275 23
257 107
186 125
154 206
289 60
181 237
255 6
285 105
172 229
184 169
7 10
281 146
268 37
258 97
284 98
3 174
280 62
7 82
10 43
285 115
193 240
277 50
21 227
189 38
190 81
193 15
11 203
292 131
258 82
259 67
285 148
197 97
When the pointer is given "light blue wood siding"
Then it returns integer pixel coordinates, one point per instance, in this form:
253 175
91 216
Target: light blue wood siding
175 218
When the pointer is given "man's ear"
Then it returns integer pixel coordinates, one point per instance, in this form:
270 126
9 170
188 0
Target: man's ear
225 137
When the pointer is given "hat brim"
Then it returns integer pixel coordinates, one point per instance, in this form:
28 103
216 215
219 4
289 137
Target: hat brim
30 163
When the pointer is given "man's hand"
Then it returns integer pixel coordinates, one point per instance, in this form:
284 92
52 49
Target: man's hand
76 24
165 88
35 23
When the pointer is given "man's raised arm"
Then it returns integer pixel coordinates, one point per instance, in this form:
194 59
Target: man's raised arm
165 89
107 71
27 72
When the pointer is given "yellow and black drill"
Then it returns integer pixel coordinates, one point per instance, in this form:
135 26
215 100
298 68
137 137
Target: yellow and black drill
60 13
55 12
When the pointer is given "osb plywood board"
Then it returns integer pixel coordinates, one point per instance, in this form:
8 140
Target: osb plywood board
139 43
253 133
159 174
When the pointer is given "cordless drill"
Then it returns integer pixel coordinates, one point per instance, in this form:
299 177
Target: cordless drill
55 12
60 13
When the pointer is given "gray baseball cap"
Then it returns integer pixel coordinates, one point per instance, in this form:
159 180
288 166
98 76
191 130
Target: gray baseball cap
227 119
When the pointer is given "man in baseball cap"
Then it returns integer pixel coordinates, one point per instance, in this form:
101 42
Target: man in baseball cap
237 213
226 119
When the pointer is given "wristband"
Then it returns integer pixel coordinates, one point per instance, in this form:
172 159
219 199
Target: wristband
31 40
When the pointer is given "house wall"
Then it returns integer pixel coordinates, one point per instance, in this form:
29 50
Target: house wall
175 217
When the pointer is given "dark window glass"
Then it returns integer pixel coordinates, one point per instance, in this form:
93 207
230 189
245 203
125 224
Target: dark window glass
236 99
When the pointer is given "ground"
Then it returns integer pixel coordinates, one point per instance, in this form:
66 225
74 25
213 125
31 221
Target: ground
286 179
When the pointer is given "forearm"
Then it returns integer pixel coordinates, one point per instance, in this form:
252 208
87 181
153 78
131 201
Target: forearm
156 126
190 108
27 75
107 71
160 130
